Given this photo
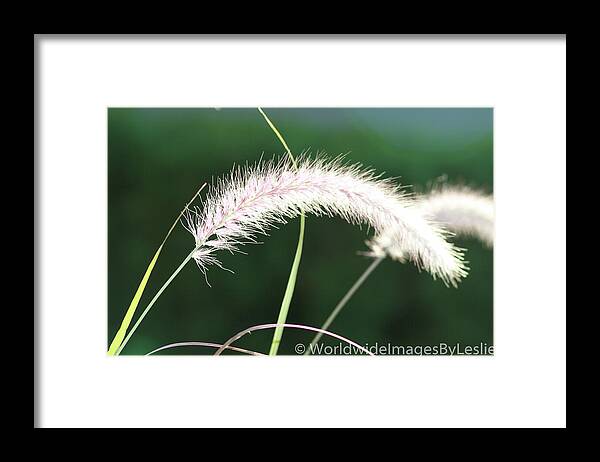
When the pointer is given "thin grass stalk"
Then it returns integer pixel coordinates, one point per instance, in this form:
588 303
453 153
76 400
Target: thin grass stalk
289 292
156 297
115 345
374 264
291 284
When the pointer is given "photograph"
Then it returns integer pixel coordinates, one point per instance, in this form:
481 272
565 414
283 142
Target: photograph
289 231
374 230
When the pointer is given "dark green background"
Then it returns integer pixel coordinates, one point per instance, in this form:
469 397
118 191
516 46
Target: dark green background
157 159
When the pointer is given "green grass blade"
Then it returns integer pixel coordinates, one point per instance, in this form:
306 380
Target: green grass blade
279 136
289 290
114 346
120 335
156 297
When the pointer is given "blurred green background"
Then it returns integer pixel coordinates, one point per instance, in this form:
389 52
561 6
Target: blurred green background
158 158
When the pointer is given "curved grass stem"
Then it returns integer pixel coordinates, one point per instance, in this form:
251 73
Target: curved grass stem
203 344
292 326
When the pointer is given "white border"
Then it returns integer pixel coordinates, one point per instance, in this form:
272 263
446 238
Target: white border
524 384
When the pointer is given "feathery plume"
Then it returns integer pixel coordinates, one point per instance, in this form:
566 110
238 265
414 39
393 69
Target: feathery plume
253 199
461 210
